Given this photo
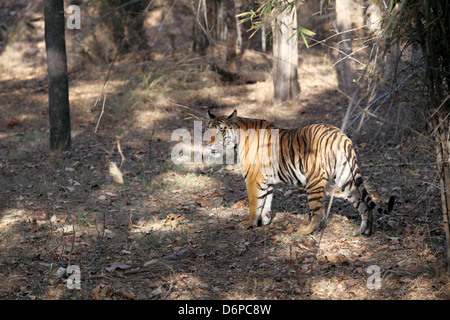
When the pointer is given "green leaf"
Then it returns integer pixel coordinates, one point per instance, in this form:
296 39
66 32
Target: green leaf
306 31
304 40
391 5
303 31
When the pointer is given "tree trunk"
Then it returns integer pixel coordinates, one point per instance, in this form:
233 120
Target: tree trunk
426 24
285 57
126 20
230 18
206 27
439 109
441 123
58 87
443 157
346 70
200 29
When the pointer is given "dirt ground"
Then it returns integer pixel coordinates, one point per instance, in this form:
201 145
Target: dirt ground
171 231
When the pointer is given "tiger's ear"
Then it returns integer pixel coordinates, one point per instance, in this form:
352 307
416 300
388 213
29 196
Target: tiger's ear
233 118
209 115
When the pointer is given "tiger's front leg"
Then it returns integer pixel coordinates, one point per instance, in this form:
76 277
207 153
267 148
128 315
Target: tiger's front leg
260 203
253 205
266 211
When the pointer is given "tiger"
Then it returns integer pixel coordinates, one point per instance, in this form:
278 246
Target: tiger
315 157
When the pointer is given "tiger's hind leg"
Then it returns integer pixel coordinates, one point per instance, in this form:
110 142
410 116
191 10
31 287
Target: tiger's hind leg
316 193
354 196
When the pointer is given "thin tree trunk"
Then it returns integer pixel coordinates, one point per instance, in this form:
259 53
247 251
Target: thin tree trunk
440 108
443 157
58 87
207 23
230 18
346 69
285 57
200 30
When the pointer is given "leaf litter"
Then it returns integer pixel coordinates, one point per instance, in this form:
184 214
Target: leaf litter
148 229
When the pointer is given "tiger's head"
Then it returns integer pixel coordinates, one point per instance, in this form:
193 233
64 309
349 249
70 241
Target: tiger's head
221 133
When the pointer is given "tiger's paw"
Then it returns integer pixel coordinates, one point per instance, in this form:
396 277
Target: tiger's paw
364 229
266 218
244 225
315 221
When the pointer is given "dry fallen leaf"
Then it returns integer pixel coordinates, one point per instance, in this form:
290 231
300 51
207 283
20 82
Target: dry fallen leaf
101 291
290 228
215 194
335 257
156 292
115 173
153 261
240 204
118 265
206 203
13 121
174 220
351 282
129 295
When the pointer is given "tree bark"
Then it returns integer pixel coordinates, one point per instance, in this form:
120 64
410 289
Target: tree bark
346 69
443 157
125 18
206 27
58 87
439 109
200 29
230 18
285 57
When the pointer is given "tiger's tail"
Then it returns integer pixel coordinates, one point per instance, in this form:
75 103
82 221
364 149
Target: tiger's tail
372 205
351 183
377 207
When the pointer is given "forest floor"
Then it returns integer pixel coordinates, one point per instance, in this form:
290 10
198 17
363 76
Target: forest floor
171 231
